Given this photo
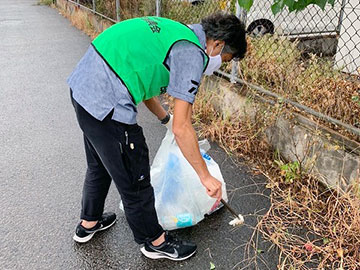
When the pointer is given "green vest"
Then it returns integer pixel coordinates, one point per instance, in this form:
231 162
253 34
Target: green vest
136 51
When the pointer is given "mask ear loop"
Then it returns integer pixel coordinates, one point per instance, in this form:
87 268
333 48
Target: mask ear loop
213 50
220 51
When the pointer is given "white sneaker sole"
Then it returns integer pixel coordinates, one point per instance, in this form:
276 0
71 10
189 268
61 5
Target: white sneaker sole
87 238
156 255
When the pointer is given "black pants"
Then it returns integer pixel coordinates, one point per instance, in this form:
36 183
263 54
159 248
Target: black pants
118 151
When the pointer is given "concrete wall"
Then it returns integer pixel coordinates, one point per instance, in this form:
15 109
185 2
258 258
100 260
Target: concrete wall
318 152
324 46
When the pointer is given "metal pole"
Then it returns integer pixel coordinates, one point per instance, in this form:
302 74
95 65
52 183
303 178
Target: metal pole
117 10
241 14
338 28
158 8
91 10
261 90
94 5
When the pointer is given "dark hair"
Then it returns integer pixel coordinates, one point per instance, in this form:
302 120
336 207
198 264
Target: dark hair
228 28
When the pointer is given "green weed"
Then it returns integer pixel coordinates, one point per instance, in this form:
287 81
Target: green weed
46 2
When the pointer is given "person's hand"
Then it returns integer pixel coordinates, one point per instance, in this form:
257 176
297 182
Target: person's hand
213 187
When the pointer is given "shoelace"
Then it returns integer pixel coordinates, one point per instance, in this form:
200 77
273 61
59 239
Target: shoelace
172 241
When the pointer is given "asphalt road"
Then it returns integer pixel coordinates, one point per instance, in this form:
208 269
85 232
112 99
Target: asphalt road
42 164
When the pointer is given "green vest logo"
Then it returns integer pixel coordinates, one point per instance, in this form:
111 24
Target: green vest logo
154 26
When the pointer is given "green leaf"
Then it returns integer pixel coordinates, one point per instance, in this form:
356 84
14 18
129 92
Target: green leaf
326 241
212 266
284 167
292 8
321 3
300 5
276 8
289 4
259 251
246 4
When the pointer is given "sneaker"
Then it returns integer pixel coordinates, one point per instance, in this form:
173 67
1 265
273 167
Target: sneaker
172 249
82 235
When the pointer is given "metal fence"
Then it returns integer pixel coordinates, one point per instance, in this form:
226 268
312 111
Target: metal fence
118 10
310 58
340 22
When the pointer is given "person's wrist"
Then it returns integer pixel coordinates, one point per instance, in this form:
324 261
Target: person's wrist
165 120
204 177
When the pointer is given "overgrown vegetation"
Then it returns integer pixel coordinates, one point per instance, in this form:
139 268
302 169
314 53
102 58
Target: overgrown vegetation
276 64
331 221
187 12
81 20
128 8
314 227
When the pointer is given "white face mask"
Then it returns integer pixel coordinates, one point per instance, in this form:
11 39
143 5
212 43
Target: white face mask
214 63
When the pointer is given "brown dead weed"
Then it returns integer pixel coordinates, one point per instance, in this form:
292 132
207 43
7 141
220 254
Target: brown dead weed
277 64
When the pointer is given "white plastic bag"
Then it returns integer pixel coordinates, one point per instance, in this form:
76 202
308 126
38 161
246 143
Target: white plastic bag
180 198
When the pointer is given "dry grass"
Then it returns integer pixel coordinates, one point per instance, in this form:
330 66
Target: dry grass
331 239
188 13
128 8
45 2
275 63
81 20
